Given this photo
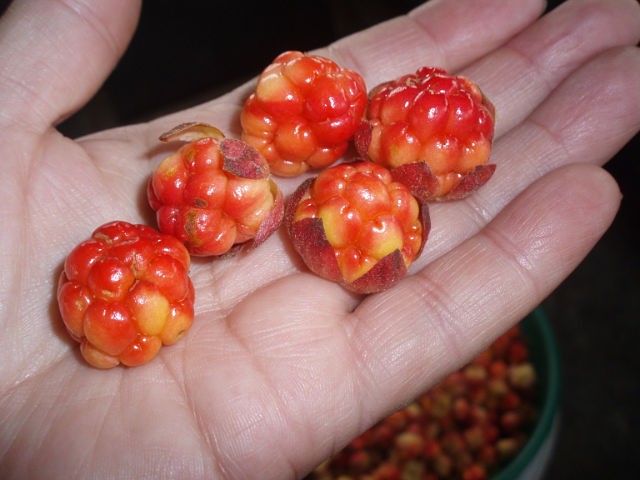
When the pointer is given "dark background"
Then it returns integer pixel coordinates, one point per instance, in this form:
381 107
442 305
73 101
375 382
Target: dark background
190 51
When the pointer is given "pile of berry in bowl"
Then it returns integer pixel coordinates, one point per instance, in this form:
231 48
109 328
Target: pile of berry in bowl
495 418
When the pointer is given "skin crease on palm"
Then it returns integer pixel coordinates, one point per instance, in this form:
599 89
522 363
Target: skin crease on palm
282 368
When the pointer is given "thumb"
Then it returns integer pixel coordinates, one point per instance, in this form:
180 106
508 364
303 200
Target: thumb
55 55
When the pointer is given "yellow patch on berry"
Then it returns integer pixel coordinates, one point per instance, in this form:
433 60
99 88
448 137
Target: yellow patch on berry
381 236
353 263
179 322
342 223
149 308
274 88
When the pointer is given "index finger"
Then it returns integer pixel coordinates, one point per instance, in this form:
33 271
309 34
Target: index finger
439 33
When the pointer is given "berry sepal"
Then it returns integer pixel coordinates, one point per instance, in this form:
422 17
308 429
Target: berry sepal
429 188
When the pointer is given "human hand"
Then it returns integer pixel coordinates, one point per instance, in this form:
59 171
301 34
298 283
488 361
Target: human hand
281 368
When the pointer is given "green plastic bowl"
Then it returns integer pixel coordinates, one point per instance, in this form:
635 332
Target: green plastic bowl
532 460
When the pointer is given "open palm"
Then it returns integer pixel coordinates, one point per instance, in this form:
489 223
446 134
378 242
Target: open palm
281 368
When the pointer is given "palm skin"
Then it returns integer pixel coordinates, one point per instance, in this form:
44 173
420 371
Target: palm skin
282 368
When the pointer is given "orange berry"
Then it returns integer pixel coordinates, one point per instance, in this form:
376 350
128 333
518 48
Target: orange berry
124 293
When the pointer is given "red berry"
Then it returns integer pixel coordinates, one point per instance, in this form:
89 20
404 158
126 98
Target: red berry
114 300
474 472
460 409
397 420
498 369
510 401
443 465
518 352
409 445
507 447
475 374
383 435
432 448
214 194
522 376
433 130
303 112
386 471
474 438
354 225
510 421
359 461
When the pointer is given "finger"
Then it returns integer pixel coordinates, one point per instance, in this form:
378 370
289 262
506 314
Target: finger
55 55
519 75
587 119
445 33
409 337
